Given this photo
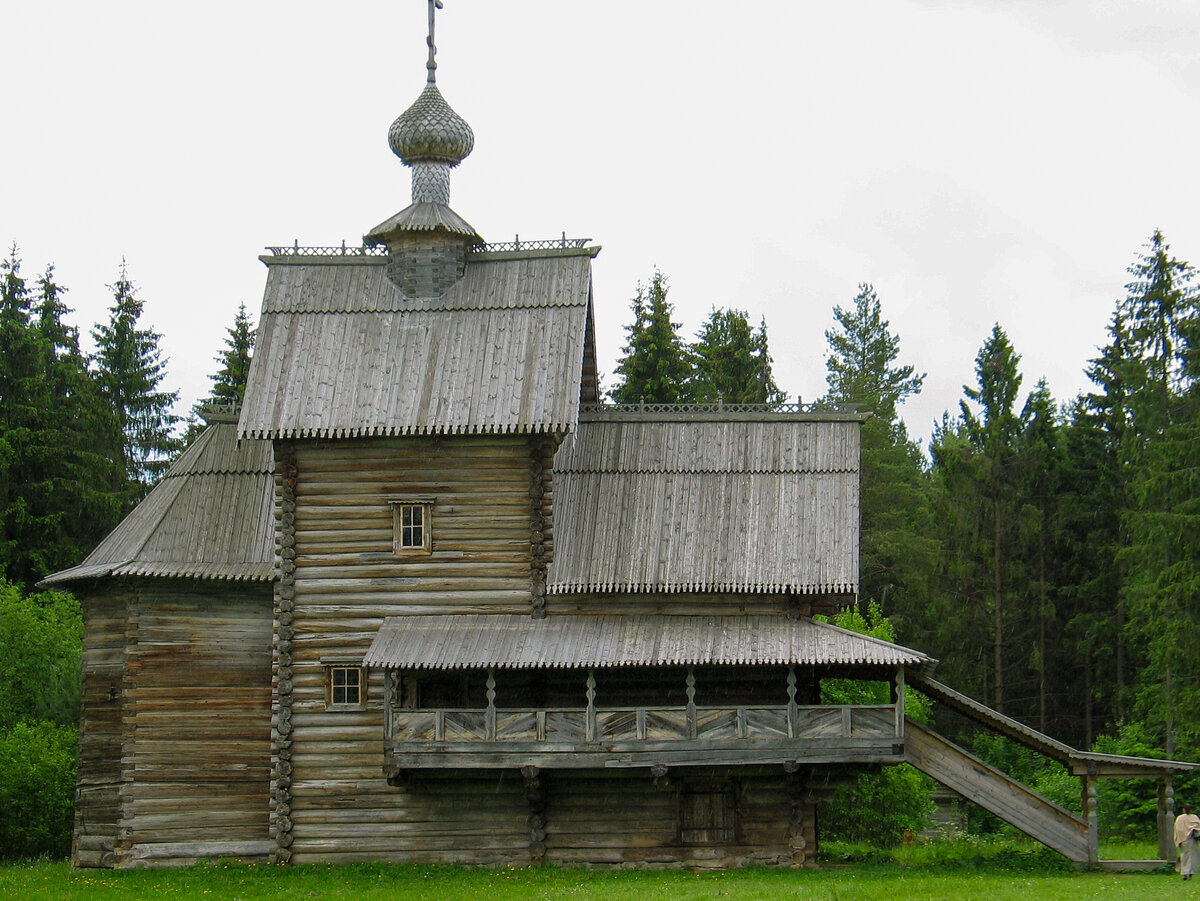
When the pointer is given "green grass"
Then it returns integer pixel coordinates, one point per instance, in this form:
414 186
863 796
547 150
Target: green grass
859 882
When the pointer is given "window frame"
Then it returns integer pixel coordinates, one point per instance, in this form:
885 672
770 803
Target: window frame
398 506
359 686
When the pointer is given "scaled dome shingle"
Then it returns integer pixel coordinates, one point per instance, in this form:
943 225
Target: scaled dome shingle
430 131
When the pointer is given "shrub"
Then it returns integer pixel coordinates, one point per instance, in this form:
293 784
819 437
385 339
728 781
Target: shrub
37 789
41 646
879 808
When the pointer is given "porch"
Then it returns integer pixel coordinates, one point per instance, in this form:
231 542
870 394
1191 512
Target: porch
478 692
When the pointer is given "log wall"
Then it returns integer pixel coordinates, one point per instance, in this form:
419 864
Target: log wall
634 820
187 737
98 783
490 534
332 802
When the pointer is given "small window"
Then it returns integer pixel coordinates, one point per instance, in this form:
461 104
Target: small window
344 686
410 527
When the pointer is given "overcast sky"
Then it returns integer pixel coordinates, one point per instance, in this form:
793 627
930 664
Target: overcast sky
977 162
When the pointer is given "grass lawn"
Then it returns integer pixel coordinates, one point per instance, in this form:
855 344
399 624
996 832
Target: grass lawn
858 882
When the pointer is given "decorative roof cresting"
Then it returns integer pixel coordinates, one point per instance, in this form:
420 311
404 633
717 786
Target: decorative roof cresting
430 131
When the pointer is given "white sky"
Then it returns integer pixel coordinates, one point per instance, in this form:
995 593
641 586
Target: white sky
976 160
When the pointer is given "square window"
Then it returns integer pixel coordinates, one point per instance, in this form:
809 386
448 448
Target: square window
410 527
344 686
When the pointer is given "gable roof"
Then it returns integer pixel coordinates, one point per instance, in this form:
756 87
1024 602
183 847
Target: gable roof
342 352
211 516
707 501
508 640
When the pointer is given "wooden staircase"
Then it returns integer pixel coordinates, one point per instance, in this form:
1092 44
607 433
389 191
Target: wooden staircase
1036 816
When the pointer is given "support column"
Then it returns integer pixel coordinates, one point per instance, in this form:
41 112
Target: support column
898 700
535 794
1091 817
1166 818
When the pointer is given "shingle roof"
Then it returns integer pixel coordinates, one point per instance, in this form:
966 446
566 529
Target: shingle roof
210 517
342 352
482 640
683 503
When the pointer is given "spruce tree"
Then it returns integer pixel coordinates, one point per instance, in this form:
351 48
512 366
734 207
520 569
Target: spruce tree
229 382
861 363
976 460
85 475
130 371
26 448
897 555
731 361
654 367
1040 471
1094 499
1162 558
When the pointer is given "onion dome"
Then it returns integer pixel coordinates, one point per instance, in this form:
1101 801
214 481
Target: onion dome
430 131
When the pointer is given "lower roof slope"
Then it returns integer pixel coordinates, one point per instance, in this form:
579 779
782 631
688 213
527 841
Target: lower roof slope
707 501
210 517
515 641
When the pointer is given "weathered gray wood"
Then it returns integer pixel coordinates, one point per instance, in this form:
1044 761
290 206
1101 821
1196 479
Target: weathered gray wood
991 789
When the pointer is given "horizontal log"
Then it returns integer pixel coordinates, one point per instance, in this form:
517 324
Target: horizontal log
167 850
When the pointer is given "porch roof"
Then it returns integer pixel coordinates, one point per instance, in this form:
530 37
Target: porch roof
512 641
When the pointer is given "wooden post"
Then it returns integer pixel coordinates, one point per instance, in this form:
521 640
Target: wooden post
898 700
535 794
489 721
590 727
691 702
1091 817
1166 819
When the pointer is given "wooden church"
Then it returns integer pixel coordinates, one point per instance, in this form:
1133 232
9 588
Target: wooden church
426 597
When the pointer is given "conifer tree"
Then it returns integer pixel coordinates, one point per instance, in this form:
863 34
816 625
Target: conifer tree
1040 475
861 367
229 382
1093 502
130 371
84 471
25 446
977 464
897 553
731 361
654 367
1162 559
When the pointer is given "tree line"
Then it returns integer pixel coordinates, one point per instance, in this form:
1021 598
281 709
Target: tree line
1047 552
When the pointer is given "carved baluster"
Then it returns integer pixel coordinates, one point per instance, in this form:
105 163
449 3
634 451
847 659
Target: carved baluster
590 727
691 702
489 726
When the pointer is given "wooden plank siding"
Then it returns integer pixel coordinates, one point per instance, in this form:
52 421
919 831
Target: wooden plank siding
336 803
175 725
